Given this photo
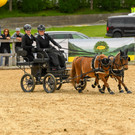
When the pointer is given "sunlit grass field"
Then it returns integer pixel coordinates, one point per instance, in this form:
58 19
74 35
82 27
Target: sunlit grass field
91 31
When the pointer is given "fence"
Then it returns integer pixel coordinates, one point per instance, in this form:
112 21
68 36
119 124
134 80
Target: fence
84 45
12 55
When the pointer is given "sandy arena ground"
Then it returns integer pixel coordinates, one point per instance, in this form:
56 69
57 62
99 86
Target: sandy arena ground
65 112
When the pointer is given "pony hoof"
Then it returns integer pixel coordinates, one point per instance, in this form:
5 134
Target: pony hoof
129 92
101 91
79 91
93 86
121 91
111 92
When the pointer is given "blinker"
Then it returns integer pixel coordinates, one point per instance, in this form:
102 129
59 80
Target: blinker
128 58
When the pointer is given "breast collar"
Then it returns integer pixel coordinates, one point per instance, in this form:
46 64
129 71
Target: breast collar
98 69
93 62
117 65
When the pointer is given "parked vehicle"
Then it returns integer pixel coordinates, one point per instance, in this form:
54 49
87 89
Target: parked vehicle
66 35
131 14
121 26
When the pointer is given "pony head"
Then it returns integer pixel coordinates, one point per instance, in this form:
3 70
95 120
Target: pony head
105 62
124 58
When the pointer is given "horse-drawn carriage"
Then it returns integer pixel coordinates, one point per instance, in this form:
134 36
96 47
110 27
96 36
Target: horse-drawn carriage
82 69
41 73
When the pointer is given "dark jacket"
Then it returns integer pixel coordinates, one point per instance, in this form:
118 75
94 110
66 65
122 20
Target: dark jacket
6 45
44 43
27 42
56 58
14 36
27 45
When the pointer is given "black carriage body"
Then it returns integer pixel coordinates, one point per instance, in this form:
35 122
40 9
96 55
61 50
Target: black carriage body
40 71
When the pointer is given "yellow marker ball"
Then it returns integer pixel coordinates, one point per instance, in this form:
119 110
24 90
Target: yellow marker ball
2 2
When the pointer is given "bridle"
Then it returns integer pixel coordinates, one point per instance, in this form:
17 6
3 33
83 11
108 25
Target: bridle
106 65
116 71
121 61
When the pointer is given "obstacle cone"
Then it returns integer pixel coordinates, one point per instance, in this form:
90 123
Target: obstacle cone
2 2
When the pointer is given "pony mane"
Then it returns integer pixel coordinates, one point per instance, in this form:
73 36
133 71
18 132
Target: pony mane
103 56
118 54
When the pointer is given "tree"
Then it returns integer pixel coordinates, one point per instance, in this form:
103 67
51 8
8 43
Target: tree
91 4
68 6
101 46
32 5
10 5
129 3
109 5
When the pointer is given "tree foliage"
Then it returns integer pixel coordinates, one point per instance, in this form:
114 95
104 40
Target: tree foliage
32 5
68 6
101 46
108 5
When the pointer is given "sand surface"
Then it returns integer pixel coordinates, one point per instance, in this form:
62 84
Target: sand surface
65 112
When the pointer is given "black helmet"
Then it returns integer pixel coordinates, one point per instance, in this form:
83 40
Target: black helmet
27 27
41 27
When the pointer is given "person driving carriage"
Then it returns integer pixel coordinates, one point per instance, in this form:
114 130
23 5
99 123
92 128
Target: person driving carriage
27 41
57 59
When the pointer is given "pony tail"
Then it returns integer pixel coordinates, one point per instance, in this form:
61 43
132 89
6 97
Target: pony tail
73 71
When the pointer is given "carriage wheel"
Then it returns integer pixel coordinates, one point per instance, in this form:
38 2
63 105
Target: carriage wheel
59 84
27 83
81 86
49 83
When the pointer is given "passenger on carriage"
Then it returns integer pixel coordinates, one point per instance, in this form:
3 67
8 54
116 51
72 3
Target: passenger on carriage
57 58
27 41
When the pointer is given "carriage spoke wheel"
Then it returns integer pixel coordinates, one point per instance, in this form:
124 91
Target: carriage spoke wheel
49 83
59 84
27 83
81 86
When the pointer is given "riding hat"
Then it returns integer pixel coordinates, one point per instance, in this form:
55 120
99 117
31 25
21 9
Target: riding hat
41 27
27 27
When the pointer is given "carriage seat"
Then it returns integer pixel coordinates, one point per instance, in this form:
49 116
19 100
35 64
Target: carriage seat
23 53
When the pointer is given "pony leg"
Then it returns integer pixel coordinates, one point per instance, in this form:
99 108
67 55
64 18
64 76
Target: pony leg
95 83
99 87
107 85
119 86
128 91
102 90
78 83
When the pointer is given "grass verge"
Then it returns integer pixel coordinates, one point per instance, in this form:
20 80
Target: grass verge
91 31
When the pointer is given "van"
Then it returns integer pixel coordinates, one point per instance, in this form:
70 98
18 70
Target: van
121 26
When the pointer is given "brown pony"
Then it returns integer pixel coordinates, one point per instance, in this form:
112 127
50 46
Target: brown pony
119 64
91 67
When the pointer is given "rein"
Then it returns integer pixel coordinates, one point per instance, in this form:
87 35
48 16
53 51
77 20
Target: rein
75 50
117 71
93 70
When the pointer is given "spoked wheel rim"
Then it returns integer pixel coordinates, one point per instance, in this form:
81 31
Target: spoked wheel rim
81 86
49 83
59 84
27 83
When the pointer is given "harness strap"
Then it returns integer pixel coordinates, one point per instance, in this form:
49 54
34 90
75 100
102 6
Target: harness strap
93 62
81 66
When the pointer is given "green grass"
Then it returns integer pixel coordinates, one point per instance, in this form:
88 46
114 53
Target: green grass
16 13
91 31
